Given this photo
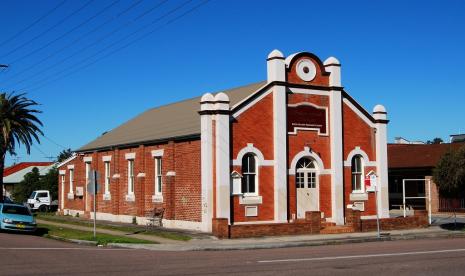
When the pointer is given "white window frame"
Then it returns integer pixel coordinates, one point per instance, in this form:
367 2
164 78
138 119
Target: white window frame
131 177
158 175
71 181
360 172
107 167
256 175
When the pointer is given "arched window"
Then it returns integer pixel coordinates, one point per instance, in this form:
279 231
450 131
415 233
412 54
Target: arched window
305 173
249 174
357 173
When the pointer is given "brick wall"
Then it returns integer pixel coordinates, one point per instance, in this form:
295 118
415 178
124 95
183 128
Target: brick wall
181 193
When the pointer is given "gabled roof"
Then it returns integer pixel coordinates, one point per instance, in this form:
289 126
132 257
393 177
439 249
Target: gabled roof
417 155
16 173
165 122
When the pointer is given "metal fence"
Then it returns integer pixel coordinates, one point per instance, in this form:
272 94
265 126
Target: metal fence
451 204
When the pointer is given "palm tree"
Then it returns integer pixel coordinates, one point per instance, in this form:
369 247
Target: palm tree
18 125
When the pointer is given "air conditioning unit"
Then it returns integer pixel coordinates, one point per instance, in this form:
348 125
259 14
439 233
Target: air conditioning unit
79 191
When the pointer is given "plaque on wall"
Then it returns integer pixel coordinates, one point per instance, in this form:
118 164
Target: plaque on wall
306 116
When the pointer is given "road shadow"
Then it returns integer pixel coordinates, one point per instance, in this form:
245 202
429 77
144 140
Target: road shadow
453 226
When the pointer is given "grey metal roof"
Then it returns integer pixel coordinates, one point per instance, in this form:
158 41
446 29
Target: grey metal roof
178 119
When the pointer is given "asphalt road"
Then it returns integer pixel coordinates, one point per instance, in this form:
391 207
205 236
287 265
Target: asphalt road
30 255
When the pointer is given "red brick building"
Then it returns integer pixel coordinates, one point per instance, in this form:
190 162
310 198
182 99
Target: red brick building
265 153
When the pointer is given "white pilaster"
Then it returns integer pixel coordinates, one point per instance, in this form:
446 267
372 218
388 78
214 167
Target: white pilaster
276 72
333 66
206 163
222 156
380 115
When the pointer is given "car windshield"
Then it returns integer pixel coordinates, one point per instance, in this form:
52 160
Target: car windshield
33 195
16 210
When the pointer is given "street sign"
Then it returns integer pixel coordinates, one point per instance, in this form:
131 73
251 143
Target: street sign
93 186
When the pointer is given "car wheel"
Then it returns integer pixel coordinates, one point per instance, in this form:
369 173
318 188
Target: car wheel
43 208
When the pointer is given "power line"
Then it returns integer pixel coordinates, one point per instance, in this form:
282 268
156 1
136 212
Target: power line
107 35
106 8
46 82
50 139
72 43
6 41
43 153
49 29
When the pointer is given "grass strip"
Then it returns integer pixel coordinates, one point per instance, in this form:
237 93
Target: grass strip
128 229
46 230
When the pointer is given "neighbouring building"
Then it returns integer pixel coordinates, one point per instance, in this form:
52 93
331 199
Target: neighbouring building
14 174
264 153
416 162
457 138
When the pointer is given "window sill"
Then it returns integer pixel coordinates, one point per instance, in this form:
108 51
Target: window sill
130 198
358 196
250 200
106 196
157 198
70 196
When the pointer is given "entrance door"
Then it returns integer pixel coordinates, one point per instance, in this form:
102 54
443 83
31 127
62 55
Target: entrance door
308 194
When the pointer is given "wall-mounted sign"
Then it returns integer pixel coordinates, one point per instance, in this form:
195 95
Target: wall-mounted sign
306 117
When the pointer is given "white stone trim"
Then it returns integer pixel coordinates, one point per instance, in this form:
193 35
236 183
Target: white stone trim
70 167
354 196
258 154
87 159
251 211
106 158
359 151
106 196
260 222
171 173
307 153
358 112
140 175
382 170
158 198
158 153
309 91
252 103
206 167
130 197
116 176
72 157
223 161
368 217
309 128
62 172
130 156
71 195
250 200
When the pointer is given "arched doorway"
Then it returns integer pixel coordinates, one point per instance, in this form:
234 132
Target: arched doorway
307 186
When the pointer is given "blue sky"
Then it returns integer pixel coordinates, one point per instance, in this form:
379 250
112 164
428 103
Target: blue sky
406 55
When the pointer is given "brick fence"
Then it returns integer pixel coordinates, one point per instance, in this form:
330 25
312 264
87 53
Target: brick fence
311 225
419 220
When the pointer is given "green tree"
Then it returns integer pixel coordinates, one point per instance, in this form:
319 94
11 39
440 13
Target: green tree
23 189
18 125
34 181
436 140
64 154
449 174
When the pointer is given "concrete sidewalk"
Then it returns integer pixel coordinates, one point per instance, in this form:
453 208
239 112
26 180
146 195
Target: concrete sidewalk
296 241
152 238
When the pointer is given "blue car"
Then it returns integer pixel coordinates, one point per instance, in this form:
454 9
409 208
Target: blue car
17 218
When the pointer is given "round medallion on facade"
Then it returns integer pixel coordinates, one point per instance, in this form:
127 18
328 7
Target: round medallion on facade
306 70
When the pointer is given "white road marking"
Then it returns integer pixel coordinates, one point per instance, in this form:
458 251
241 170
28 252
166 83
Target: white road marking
363 256
64 248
